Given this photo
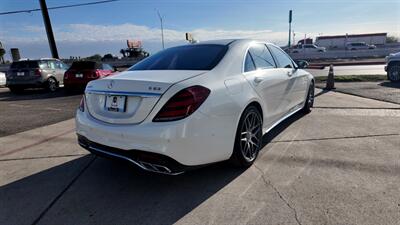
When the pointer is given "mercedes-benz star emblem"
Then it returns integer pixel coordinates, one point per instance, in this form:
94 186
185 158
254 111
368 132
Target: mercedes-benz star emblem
111 84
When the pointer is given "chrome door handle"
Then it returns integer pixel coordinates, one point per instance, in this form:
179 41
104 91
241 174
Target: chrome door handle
258 79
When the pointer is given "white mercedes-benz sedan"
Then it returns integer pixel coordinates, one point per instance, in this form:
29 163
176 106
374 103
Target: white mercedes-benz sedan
193 105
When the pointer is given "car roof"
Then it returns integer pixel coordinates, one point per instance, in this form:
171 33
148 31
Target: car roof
230 41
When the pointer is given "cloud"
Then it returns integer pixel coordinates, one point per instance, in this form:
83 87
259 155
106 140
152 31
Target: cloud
88 39
122 32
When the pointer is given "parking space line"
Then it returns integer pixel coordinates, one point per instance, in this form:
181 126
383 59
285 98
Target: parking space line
42 157
35 143
336 138
345 107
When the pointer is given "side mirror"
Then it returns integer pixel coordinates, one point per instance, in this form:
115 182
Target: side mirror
302 64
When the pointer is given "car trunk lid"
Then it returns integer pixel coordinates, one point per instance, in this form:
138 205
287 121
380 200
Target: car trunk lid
129 97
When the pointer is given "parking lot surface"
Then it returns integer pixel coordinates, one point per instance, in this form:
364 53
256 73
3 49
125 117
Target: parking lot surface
337 165
382 90
34 108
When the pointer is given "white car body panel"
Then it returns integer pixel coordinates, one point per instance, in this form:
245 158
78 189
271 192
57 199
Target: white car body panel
208 134
2 79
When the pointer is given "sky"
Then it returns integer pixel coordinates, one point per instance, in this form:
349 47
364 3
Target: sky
104 28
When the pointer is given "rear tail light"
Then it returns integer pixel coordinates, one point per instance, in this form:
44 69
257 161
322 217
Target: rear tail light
38 72
182 104
66 75
94 74
82 104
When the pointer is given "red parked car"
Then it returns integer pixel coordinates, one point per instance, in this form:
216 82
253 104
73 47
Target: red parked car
81 72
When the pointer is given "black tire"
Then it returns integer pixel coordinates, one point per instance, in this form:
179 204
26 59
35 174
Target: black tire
309 103
51 84
16 90
248 138
393 72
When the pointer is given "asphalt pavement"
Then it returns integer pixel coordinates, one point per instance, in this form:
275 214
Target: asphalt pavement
382 90
337 165
38 107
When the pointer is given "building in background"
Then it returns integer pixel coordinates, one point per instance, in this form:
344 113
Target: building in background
339 41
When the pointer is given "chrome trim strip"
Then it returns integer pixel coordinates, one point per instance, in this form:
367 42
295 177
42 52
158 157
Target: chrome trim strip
127 93
282 119
138 163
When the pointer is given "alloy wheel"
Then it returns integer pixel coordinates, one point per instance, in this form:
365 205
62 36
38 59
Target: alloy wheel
52 84
311 96
394 73
250 135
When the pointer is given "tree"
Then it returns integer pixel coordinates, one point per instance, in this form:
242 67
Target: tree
392 39
96 57
123 52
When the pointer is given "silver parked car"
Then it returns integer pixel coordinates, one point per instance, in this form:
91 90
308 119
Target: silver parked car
393 67
359 46
2 79
45 73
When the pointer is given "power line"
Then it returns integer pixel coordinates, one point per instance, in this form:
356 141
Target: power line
57 7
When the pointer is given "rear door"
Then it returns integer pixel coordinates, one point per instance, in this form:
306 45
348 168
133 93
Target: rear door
60 70
51 70
267 80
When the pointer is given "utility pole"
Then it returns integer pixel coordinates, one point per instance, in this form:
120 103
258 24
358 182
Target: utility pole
290 27
162 28
49 30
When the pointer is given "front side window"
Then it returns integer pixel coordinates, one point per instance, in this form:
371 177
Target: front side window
261 56
188 57
283 59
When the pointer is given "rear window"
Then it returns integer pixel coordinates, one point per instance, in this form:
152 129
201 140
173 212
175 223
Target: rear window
84 65
188 57
24 65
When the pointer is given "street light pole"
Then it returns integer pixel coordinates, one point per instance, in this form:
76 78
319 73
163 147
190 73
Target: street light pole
49 30
290 27
162 28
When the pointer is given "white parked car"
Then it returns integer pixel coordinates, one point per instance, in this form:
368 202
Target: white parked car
359 46
308 48
193 105
2 79
393 67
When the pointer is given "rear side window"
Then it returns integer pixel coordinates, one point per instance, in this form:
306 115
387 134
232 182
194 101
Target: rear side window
283 59
261 56
51 65
249 63
84 65
188 57
107 67
24 65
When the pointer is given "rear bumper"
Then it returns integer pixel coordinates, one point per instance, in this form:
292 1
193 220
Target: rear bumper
194 141
35 82
74 83
147 161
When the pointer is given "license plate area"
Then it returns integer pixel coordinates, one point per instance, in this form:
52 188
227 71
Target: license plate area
20 73
79 75
115 103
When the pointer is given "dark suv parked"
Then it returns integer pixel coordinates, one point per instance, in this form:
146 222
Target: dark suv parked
46 73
